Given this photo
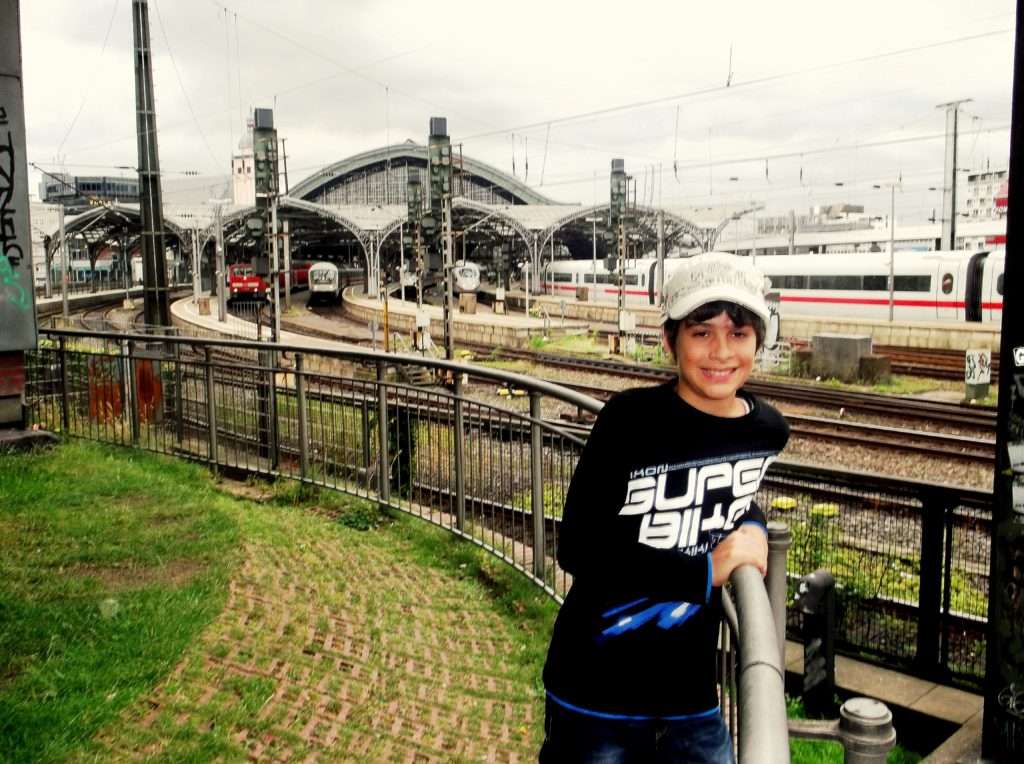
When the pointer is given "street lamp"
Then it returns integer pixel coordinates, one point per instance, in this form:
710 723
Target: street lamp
892 249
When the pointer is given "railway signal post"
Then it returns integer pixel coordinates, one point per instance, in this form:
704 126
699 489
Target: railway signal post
1003 736
439 157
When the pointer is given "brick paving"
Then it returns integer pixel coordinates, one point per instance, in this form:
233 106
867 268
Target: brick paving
341 649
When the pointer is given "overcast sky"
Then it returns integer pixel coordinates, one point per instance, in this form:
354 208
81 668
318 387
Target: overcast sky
811 85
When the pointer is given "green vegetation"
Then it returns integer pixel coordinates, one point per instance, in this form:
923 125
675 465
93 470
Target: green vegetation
111 562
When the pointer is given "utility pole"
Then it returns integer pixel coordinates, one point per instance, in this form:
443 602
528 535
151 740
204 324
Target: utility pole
64 263
196 264
449 281
220 274
661 255
284 158
949 175
275 271
892 251
154 260
286 241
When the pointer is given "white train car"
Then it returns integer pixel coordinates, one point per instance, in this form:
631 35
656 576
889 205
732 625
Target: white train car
324 282
467 276
928 286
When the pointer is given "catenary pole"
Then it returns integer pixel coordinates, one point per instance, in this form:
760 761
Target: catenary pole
154 261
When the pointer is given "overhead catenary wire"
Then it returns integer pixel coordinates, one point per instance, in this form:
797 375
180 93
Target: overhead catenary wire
744 84
181 83
85 91
353 71
756 158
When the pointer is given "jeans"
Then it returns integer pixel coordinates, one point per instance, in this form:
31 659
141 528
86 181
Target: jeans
575 738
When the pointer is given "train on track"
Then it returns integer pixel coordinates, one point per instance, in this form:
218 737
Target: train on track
244 283
324 282
927 286
467 276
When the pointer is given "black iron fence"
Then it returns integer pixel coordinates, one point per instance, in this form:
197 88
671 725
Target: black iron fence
490 461
910 558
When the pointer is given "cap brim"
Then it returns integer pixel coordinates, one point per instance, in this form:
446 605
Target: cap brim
685 307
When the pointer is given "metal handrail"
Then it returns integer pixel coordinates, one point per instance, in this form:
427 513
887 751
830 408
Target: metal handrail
585 402
763 734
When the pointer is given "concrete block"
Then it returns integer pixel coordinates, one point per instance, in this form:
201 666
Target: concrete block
467 303
838 355
800 363
875 369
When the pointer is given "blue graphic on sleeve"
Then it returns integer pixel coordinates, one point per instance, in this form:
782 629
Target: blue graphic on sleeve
665 615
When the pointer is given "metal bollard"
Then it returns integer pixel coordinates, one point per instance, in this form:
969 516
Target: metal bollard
866 731
779 541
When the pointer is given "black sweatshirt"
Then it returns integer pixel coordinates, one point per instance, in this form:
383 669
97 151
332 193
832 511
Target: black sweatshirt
658 485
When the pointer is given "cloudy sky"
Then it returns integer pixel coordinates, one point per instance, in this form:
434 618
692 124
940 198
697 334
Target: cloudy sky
818 94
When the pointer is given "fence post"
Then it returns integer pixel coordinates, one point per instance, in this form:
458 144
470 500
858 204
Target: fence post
460 475
275 433
929 603
300 402
128 348
211 408
779 540
366 440
65 413
179 396
384 462
537 485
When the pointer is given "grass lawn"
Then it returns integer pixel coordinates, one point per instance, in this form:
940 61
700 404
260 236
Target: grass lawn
146 614
110 564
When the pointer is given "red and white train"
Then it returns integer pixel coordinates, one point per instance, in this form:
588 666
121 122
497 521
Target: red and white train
928 286
245 284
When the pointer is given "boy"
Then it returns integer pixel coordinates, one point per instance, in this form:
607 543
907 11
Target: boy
659 513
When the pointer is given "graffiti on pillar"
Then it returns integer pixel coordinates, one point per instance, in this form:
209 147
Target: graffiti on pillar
1010 713
1015 445
1011 723
11 253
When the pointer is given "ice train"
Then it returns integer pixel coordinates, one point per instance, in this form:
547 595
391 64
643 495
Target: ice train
928 286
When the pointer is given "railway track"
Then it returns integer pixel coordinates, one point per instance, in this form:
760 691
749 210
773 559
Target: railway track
935 364
947 446
899 407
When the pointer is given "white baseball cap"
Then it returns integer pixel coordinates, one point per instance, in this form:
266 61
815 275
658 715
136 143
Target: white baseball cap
713 277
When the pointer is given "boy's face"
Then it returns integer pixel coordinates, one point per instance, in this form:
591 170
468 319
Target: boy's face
715 359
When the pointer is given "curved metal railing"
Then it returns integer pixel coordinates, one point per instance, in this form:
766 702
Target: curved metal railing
485 454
